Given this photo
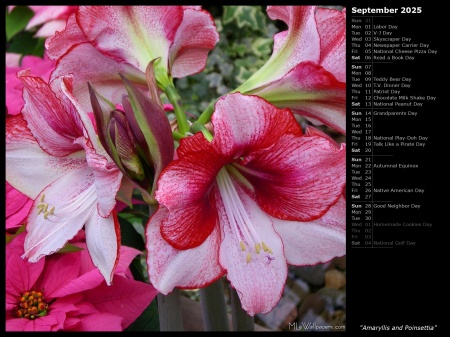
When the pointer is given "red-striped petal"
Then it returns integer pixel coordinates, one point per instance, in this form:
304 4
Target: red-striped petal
169 268
298 178
185 188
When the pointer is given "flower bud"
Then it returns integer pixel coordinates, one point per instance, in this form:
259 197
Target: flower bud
139 137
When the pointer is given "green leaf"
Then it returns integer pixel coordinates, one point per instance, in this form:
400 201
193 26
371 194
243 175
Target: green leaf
17 20
10 237
262 46
229 13
69 248
24 43
243 75
245 16
148 320
129 236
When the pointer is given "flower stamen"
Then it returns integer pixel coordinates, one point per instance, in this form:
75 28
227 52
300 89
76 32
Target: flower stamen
238 217
31 304
43 208
242 245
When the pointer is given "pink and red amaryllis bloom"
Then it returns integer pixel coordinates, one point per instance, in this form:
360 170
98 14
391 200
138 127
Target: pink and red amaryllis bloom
306 71
259 196
53 157
101 41
68 292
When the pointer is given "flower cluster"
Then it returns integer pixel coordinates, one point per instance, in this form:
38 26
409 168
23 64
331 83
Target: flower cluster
242 191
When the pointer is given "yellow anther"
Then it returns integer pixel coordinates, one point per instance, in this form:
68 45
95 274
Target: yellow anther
52 210
258 248
40 206
45 208
249 257
46 215
42 198
40 210
270 251
242 245
265 248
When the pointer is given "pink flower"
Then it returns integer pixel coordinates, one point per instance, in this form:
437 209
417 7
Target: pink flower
17 207
54 158
52 18
41 67
66 292
101 41
259 196
306 71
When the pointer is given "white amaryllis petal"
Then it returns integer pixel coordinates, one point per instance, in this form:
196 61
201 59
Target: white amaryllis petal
331 25
169 267
195 37
59 212
29 169
318 241
302 41
146 32
311 91
251 250
58 44
50 28
103 241
43 14
88 64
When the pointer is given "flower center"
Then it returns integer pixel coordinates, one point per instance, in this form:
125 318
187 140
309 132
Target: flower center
242 226
31 304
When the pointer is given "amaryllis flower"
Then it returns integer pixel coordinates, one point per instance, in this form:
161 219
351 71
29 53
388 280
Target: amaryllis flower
53 157
306 71
18 204
101 41
52 18
259 196
65 292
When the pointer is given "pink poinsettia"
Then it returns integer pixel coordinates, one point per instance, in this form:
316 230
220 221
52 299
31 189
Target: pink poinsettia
52 18
259 196
17 207
54 158
101 41
65 292
41 67
306 71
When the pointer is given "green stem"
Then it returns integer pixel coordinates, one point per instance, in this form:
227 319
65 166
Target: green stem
169 311
214 312
175 99
241 320
177 135
206 115
197 127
